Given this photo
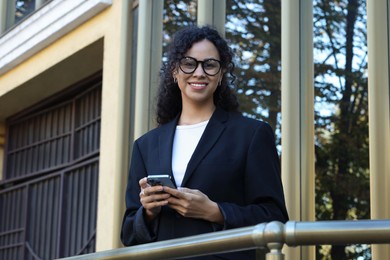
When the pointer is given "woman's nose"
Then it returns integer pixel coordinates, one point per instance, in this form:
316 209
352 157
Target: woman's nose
199 70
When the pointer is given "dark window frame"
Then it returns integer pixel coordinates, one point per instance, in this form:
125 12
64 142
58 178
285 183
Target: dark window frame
51 212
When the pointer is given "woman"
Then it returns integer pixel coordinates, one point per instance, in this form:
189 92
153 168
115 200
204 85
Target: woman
225 165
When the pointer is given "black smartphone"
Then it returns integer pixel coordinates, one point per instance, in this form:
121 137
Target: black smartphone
164 180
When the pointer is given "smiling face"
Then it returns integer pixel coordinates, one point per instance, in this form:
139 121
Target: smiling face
197 88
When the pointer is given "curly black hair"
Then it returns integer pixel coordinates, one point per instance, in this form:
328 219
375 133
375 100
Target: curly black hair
169 103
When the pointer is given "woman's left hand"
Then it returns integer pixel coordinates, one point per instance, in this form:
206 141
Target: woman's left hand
194 204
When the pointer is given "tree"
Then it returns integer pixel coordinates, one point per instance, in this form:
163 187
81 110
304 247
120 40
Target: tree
342 181
254 30
177 13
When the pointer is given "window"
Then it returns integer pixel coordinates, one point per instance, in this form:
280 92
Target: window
18 10
341 110
48 197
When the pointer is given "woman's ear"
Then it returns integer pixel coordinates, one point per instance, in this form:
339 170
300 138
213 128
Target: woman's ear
174 72
220 78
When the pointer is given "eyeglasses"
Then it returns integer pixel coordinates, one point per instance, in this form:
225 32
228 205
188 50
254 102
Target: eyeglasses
210 66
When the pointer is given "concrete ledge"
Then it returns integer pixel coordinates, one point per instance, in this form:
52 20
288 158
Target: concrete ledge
43 27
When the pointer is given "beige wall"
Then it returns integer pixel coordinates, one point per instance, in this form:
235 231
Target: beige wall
92 46
114 126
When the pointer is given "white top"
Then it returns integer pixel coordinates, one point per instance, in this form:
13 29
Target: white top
184 143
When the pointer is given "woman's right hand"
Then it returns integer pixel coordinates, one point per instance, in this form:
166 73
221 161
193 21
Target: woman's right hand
152 199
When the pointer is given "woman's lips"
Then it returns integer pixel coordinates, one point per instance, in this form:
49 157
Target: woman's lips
197 85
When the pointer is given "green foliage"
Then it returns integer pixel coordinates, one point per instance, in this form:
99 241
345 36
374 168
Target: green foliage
177 14
254 31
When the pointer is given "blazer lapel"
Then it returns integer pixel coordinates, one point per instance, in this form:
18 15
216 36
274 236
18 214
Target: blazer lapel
210 136
165 142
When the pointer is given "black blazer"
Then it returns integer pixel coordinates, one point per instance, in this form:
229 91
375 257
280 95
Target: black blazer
235 164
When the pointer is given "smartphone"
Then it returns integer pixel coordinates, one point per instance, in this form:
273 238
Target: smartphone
164 180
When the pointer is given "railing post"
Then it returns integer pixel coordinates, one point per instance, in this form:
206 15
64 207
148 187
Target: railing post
274 235
275 251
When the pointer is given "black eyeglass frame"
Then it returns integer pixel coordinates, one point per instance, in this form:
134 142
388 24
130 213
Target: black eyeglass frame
197 64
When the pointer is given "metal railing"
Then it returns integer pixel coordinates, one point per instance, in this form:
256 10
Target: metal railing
272 235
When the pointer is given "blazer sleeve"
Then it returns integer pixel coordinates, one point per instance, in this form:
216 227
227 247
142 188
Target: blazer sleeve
135 230
264 198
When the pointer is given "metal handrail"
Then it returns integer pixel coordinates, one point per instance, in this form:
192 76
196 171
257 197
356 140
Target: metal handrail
272 235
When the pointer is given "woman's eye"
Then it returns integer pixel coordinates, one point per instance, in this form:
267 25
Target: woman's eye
210 65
